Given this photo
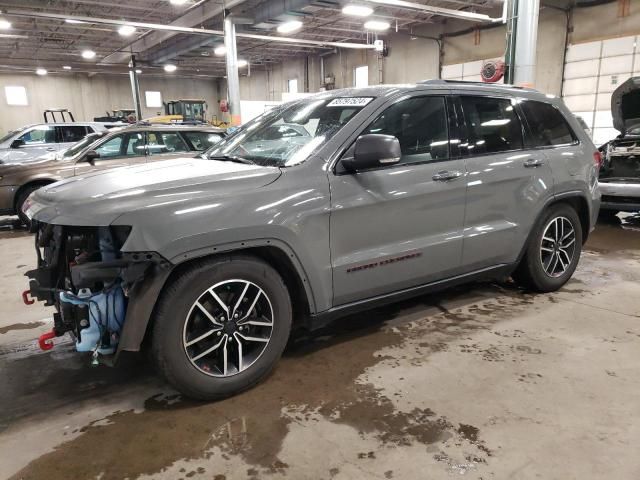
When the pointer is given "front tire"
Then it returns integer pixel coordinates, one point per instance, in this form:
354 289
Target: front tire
553 250
221 326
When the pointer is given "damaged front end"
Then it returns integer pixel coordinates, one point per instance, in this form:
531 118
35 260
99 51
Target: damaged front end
95 288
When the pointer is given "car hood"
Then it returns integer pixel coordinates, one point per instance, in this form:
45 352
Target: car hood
625 105
101 197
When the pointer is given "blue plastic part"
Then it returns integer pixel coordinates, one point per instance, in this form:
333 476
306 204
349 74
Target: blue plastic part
106 312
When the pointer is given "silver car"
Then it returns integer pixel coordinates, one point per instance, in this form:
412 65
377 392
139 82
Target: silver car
35 141
395 192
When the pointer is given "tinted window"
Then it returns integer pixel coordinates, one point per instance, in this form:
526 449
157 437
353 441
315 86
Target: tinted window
202 140
165 142
492 126
547 125
40 135
420 125
123 145
71 133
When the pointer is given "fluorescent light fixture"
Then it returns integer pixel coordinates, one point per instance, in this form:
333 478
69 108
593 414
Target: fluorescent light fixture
138 71
66 67
242 63
88 54
289 27
220 50
376 25
126 30
73 21
178 2
4 25
41 71
357 10
169 67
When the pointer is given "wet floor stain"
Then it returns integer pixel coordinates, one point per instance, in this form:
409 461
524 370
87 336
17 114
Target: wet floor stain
21 326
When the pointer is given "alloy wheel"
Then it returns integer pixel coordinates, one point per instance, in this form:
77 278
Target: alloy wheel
558 246
228 328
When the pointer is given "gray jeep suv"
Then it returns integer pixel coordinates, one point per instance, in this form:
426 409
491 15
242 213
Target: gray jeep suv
395 191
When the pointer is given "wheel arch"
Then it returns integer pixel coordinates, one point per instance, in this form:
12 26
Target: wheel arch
35 182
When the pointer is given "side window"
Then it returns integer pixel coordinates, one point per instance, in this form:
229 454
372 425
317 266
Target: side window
546 124
492 126
71 133
165 142
202 140
420 125
39 135
111 148
135 145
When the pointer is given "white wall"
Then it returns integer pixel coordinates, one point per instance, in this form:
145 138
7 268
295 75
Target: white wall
89 97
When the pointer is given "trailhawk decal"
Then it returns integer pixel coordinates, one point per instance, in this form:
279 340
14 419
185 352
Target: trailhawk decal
382 263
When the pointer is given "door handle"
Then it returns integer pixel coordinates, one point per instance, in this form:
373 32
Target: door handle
533 163
50 149
446 175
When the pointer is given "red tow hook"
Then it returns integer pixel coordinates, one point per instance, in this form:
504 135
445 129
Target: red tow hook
44 340
26 299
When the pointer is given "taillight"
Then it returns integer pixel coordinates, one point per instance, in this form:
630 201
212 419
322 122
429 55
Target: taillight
597 158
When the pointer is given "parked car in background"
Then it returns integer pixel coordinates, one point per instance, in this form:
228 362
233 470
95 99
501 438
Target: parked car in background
620 172
393 191
98 151
33 141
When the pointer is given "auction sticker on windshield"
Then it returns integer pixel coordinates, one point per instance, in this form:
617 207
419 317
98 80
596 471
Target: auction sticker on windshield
349 102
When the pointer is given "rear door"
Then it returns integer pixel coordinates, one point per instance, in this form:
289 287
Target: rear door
507 182
399 226
165 145
116 151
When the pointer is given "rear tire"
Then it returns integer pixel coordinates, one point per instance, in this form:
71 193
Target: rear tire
553 251
191 321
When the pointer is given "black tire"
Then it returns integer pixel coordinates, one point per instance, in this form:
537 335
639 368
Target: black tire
531 270
21 198
170 353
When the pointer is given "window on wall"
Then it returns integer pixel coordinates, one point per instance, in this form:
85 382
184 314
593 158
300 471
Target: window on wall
292 85
153 99
361 76
16 95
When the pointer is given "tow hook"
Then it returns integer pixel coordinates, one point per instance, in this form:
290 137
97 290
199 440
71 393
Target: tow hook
44 340
26 299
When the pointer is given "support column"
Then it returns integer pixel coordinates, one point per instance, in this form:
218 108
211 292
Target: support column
526 43
135 88
233 79
509 56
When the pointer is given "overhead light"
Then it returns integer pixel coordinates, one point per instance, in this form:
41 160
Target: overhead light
357 10
66 67
126 30
41 71
376 25
169 67
4 25
242 63
178 2
289 27
220 50
88 54
73 21
138 71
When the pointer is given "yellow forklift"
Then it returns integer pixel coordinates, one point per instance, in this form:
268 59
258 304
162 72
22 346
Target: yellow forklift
182 111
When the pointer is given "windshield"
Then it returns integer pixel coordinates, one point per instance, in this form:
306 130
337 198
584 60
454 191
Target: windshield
288 135
82 144
11 134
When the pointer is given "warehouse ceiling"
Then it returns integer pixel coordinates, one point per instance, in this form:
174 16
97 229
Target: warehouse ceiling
34 41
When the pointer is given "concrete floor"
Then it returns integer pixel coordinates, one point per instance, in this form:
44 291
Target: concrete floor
484 381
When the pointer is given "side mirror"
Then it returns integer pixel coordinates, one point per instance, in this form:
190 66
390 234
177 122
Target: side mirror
17 143
90 156
372 151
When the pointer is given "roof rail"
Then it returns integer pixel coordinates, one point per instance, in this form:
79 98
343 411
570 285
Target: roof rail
439 81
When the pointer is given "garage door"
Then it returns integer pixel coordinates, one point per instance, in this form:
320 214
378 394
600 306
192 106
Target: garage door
592 71
469 71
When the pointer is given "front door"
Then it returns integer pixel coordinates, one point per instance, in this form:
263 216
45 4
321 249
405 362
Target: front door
164 145
399 226
117 151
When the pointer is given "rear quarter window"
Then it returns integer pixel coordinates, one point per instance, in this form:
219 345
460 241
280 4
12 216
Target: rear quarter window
547 125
